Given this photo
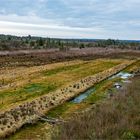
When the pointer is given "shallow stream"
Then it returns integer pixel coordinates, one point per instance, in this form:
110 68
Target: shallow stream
124 77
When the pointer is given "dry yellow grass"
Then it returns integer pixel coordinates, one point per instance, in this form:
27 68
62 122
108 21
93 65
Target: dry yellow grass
20 75
79 78
28 83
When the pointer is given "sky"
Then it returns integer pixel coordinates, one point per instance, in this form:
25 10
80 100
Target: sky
94 19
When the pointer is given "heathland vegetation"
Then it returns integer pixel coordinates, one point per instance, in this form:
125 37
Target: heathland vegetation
21 104
115 118
40 84
43 130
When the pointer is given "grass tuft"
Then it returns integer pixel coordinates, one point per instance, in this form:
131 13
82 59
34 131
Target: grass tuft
117 118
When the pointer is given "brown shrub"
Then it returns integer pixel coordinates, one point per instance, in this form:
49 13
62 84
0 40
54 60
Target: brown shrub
116 118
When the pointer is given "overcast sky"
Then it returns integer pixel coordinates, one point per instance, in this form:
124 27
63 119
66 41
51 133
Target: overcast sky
118 19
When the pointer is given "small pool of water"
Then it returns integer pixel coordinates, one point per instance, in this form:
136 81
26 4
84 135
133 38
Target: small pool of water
84 95
123 75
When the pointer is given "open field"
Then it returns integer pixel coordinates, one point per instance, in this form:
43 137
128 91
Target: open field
19 85
29 90
42 130
69 70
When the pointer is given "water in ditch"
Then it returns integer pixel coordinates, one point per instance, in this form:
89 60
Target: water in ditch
123 75
38 128
83 96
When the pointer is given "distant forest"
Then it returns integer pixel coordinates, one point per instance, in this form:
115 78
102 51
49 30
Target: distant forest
9 42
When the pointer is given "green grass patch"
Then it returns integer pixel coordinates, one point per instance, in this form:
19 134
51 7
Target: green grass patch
130 68
30 131
101 90
35 87
27 92
54 80
94 68
59 110
113 119
39 88
82 70
61 69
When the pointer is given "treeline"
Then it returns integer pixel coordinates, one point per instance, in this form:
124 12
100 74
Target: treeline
8 42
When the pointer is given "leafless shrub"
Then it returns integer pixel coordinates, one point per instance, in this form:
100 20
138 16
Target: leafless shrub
117 118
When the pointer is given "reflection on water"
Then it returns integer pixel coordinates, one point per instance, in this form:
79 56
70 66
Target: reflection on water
123 75
84 95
